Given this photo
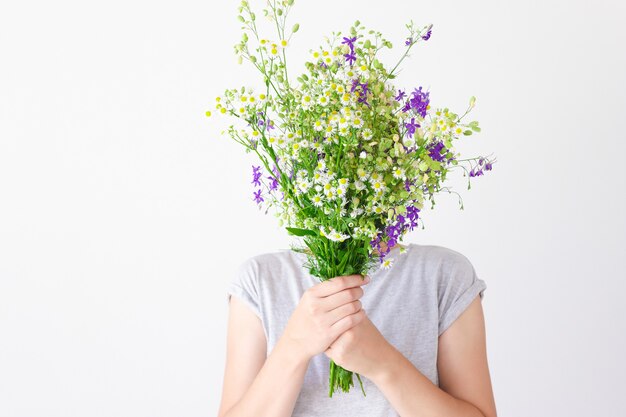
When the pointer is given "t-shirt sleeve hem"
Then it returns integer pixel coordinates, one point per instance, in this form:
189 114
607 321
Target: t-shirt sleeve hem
241 294
455 311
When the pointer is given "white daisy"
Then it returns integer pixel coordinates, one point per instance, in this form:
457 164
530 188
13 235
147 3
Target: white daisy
398 173
387 263
333 235
367 134
317 200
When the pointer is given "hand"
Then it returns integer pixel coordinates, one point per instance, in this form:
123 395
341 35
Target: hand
362 349
325 311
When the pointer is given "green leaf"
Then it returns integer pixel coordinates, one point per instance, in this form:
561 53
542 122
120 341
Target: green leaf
467 132
300 232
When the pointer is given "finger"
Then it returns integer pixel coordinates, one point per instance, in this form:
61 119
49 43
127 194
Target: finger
336 284
342 311
340 298
346 323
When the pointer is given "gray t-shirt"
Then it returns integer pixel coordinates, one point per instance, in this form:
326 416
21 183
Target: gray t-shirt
411 304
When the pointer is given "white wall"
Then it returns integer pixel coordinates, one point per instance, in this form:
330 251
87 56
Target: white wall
123 213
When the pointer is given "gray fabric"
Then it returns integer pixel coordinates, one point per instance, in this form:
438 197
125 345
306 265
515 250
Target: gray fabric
411 304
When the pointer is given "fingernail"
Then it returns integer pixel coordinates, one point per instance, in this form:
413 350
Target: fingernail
367 278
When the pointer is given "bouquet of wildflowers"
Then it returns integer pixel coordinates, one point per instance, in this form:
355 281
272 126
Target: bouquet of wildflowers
346 159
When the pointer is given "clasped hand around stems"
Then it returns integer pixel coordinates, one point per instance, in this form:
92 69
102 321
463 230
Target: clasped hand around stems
325 312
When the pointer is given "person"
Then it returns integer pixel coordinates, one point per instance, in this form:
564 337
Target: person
415 333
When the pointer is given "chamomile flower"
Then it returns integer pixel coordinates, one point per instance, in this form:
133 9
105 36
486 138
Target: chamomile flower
318 125
367 134
377 209
318 177
343 183
301 174
359 185
458 130
357 122
307 101
317 200
315 56
333 235
378 185
387 263
323 100
303 185
283 43
398 173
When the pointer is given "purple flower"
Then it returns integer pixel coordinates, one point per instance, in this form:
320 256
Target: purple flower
355 84
363 96
349 41
427 35
267 123
351 58
400 96
273 183
419 101
407 185
363 92
480 170
257 196
256 174
408 41
435 151
394 231
411 126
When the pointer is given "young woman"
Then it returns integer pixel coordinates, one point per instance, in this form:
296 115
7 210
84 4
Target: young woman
415 333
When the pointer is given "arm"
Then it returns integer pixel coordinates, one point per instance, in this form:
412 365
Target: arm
325 311
465 386
249 377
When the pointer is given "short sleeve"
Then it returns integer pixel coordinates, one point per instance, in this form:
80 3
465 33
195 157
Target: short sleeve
244 286
458 287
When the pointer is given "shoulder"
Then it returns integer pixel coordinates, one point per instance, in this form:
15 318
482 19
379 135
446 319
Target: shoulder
438 257
267 266
451 269
267 261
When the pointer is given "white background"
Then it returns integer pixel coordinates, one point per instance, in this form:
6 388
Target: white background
123 212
